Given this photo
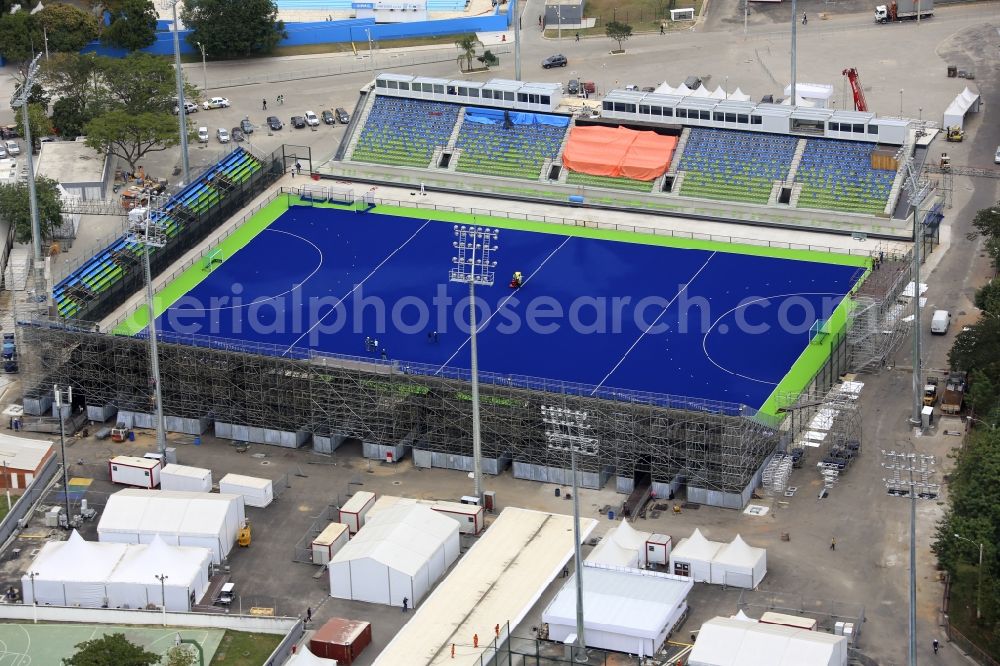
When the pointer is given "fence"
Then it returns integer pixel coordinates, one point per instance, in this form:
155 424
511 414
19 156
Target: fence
302 551
971 649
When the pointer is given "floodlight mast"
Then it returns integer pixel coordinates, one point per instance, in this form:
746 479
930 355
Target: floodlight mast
179 75
568 430
21 98
473 264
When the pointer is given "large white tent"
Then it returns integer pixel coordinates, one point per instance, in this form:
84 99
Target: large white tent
626 610
739 565
724 641
306 658
71 572
133 583
622 546
207 520
693 557
954 115
399 553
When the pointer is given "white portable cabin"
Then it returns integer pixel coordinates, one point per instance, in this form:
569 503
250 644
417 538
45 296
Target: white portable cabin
468 516
693 557
182 477
785 620
134 471
329 542
658 549
739 565
355 509
255 491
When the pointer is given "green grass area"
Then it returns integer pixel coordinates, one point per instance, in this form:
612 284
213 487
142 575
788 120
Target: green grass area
340 47
3 505
239 648
962 610
642 15
23 643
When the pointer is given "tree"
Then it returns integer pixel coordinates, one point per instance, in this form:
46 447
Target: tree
488 59
133 25
467 45
111 650
69 117
180 655
987 223
233 28
131 136
68 28
620 32
40 123
16 209
76 77
19 33
137 83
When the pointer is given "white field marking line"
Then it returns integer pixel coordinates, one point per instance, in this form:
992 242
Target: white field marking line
655 321
269 298
704 340
500 307
355 287
27 650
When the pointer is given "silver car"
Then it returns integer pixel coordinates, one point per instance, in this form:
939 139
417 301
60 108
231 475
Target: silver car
13 148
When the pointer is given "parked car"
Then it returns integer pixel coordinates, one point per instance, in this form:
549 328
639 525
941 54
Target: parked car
202 135
312 119
573 87
216 103
996 156
343 117
222 134
328 117
236 134
274 123
557 60
13 148
246 126
3 153
189 107
648 89
298 122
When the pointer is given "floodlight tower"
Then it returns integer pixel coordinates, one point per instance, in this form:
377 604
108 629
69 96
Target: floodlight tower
148 232
568 430
62 395
474 264
919 468
917 190
179 75
20 99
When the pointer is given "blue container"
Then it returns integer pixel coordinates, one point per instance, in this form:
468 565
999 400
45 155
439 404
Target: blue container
557 492
576 198
197 441
131 436
611 515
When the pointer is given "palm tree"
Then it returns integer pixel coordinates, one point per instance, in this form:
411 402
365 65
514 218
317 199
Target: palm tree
467 45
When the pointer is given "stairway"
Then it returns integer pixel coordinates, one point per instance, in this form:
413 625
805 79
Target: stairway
793 201
453 139
679 151
793 168
897 183
362 121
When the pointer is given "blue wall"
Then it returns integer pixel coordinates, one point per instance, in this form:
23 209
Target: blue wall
326 32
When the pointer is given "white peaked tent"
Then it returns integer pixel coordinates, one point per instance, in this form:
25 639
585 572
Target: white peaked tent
701 91
682 89
399 553
622 546
740 615
664 89
718 93
133 584
739 96
306 658
739 565
966 101
71 572
697 553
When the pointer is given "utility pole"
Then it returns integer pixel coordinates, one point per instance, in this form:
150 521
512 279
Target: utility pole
204 68
59 393
917 191
795 17
979 586
517 42
179 76
20 98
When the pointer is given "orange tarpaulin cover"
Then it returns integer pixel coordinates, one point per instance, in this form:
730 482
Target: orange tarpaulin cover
618 152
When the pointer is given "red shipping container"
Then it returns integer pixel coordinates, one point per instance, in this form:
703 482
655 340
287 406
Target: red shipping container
341 639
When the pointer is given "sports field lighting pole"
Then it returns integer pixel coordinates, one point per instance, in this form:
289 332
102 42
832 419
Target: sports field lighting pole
179 74
897 486
163 594
142 229
795 18
517 42
34 599
474 264
567 430
204 67
371 52
979 586
58 392
20 98
900 102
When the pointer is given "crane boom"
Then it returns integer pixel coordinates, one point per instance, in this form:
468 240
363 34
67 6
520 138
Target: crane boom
859 95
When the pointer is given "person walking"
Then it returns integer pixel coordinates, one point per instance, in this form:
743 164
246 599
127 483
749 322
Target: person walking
309 614
833 544
936 645
662 32
263 105
406 604
577 36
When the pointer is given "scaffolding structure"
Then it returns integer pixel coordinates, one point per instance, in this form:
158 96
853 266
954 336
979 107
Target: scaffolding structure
877 321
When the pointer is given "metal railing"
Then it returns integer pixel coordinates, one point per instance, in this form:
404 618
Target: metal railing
971 649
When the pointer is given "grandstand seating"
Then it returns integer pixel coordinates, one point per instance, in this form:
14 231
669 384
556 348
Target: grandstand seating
109 265
512 152
345 5
588 180
838 175
733 165
402 131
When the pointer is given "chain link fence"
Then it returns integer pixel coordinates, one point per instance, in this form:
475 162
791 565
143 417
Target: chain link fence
302 550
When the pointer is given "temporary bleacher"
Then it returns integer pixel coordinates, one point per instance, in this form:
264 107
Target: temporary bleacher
109 265
508 149
404 132
610 182
838 175
734 165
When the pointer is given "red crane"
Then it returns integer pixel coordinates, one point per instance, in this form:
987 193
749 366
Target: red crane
859 95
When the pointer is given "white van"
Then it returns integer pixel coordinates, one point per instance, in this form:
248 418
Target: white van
202 135
940 322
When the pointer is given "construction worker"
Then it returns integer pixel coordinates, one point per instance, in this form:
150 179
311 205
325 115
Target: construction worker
517 280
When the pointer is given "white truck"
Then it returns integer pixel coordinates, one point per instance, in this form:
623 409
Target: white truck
902 10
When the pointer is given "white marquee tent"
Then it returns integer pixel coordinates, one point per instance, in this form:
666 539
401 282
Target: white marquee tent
306 658
622 546
133 583
724 641
739 96
954 115
400 552
71 572
626 610
695 554
208 520
739 565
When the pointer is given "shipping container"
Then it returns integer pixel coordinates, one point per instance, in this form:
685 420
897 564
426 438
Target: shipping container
329 541
341 639
134 471
468 516
255 491
183 477
355 509
658 549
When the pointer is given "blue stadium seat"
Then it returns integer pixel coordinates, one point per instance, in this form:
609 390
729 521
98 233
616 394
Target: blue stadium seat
734 165
838 175
517 151
405 132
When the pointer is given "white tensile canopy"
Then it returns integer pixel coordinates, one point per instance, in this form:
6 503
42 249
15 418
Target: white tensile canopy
71 572
133 583
954 115
739 96
306 658
697 552
718 93
622 546
700 91
664 89
739 565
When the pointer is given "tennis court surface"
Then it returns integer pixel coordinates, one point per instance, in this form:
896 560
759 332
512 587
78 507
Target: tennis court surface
619 313
48 644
